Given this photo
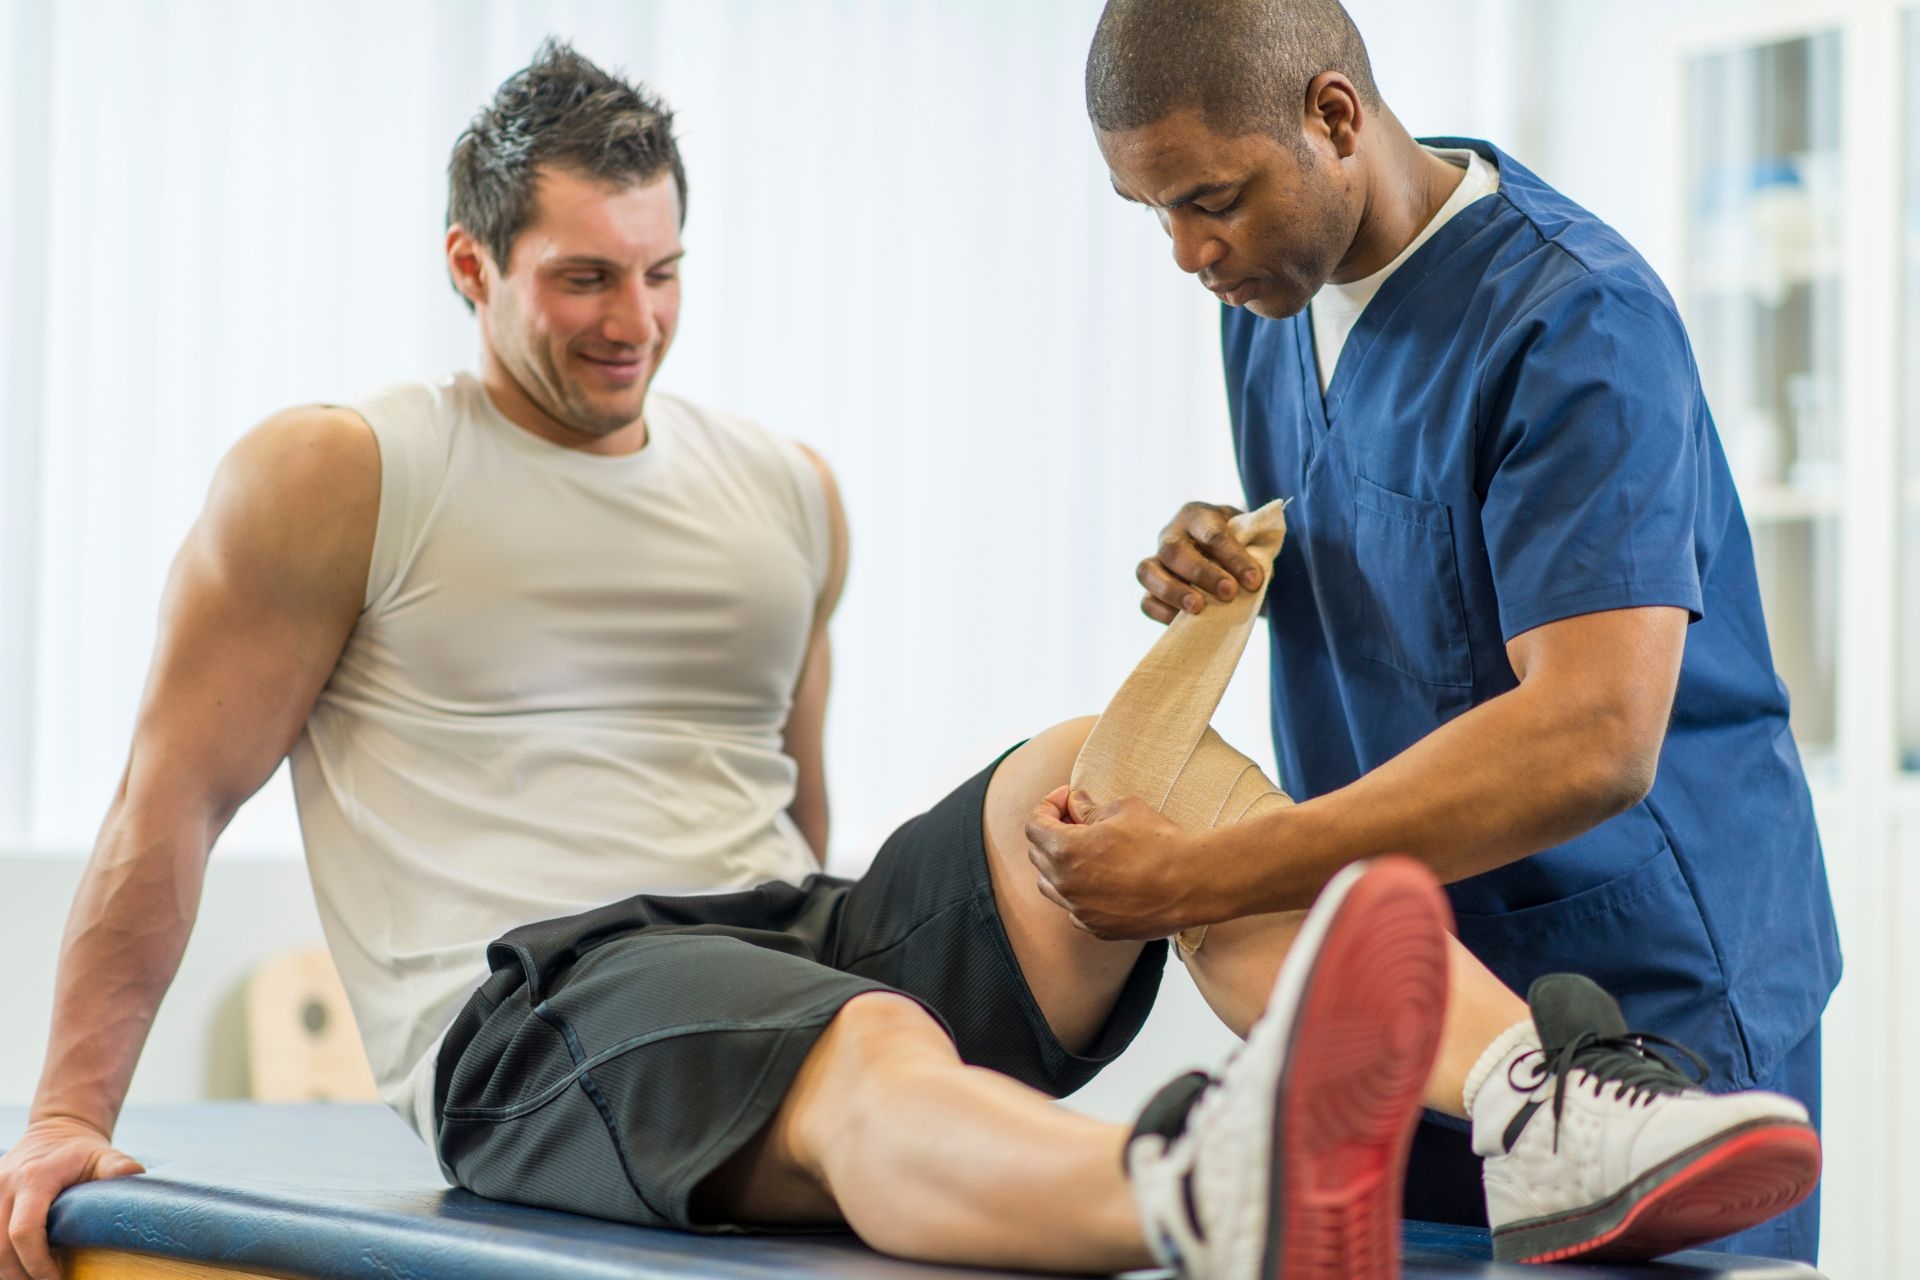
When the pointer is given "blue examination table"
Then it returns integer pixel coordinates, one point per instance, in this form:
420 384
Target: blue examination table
347 1193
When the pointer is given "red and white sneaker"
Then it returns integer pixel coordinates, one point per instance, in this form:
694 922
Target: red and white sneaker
1289 1163
1598 1147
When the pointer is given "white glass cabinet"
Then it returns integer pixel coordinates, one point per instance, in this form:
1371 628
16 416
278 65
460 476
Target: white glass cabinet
1762 288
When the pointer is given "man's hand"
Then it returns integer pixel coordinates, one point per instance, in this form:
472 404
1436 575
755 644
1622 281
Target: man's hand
1119 870
51 1156
1198 556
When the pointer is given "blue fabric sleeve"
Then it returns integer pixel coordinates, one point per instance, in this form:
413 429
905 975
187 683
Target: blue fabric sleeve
1592 457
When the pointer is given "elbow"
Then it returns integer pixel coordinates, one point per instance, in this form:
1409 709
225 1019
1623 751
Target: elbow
1623 758
1630 782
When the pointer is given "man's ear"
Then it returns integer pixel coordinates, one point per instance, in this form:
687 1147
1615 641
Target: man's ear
1333 111
466 264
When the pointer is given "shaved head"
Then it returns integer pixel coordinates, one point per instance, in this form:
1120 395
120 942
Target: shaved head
1244 65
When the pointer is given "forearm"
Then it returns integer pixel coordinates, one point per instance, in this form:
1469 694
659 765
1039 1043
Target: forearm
125 935
1519 773
809 813
805 743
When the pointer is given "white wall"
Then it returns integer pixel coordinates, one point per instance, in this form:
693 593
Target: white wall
902 250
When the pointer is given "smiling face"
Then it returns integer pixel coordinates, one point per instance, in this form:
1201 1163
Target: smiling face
581 318
1262 224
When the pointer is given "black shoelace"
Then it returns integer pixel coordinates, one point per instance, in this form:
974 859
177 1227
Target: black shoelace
1635 1071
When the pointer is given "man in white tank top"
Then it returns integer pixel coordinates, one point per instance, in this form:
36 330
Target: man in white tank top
540 639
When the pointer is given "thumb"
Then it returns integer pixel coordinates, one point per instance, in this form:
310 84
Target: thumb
1080 806
116 1164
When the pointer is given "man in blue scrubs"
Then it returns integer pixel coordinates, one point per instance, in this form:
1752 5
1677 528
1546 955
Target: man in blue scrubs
1516 629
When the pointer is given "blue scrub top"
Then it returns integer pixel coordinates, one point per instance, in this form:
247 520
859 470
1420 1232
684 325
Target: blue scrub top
1515 433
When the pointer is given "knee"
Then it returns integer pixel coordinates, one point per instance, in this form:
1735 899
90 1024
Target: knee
1071 735
876 1042
1045 761
881 1027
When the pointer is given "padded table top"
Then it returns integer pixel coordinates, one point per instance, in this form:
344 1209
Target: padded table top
348 1193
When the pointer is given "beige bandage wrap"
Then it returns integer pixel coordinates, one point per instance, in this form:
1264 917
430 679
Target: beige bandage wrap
1154 740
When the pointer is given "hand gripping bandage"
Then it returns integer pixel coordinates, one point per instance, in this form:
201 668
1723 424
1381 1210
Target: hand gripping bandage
1154 740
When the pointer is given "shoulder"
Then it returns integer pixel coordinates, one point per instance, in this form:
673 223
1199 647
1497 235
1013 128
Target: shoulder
1556 277
713 426
739 444
314 456
786 476
1559 256
419 419
823 472
299 496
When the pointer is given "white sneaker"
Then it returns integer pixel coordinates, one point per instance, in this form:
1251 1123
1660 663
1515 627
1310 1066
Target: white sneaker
1290 1163
1599 1148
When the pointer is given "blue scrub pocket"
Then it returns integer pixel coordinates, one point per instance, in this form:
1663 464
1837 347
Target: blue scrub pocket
1414 619
1640 935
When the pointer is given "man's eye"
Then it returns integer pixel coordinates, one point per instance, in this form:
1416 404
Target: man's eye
586 281
1228 207
662 277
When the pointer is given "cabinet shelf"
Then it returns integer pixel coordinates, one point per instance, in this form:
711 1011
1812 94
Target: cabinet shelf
1746 277
1776 503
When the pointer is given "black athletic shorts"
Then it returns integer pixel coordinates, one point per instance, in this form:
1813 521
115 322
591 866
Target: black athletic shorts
616 1058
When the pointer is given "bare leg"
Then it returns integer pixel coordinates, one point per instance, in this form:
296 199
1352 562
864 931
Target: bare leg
1073 975
1236 965
924 1157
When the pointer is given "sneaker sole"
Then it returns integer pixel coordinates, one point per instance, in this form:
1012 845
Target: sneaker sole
1736 1180
1361 1049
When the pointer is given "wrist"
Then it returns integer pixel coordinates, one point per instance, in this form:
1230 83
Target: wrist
68 1112
1305 845
1245 866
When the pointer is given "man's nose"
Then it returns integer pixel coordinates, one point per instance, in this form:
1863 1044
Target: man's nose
1195 248
632 320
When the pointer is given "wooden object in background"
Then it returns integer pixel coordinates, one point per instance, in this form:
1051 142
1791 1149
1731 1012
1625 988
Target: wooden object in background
302 1043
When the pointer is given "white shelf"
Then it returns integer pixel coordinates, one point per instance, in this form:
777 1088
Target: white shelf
1744 277
1772 502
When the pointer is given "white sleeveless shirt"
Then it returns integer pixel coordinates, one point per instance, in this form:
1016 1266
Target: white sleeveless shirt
569 684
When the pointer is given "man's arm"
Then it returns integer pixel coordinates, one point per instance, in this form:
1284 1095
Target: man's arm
1576 743
807 722
258 605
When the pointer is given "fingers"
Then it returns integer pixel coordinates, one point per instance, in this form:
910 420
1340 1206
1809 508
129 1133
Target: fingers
1227 551
1174 594
1158 612
1043 826
9 1263
1059 900
1198 556
1052 894
117 1164
50 1158
1048 839
27 1234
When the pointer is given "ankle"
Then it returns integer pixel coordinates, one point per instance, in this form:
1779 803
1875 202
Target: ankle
1497 1057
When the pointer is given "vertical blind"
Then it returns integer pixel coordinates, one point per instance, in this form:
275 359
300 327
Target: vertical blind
903 250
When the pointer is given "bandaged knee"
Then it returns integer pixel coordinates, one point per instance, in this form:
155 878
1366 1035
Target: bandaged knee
1155 741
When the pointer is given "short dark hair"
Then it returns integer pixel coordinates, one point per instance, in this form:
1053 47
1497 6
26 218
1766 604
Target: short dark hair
560 111
1243 64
